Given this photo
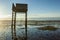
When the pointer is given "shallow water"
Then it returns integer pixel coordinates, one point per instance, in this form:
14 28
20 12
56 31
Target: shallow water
33 33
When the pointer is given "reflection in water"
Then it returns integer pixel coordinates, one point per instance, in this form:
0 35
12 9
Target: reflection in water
33 32
4 30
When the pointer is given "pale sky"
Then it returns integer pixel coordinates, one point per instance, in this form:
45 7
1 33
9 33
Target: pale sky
36 8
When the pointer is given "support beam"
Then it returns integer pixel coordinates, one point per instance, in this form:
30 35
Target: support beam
26 25
15 38
12 25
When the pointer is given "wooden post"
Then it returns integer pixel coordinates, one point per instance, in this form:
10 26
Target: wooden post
26 25
15 27
12 25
